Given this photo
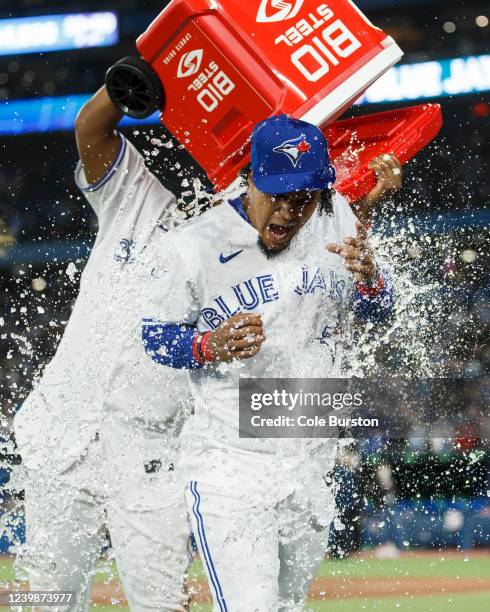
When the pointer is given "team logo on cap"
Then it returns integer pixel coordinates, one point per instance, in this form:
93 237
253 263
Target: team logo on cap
294 149
284 10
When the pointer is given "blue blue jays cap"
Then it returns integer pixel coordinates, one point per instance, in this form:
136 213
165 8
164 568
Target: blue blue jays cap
290 155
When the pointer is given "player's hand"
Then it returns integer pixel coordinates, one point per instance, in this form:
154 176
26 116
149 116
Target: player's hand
240 337
390 178
358 256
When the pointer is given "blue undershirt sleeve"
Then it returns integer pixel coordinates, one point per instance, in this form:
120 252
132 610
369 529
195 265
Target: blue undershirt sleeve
374 307
170 345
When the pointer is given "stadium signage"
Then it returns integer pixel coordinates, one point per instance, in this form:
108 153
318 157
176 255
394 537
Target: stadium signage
462 75
431 80
58 32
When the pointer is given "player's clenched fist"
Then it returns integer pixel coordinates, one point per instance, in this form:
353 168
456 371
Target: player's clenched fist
357 255
240 337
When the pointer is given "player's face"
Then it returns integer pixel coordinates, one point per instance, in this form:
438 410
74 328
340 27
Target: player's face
278 218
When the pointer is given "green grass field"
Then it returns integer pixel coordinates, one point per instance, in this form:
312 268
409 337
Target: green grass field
455 603
447 569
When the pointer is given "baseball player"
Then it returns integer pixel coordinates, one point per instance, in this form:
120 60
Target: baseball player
263 285
98 432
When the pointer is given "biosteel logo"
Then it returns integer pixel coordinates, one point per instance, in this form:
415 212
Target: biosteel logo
284 10
189 63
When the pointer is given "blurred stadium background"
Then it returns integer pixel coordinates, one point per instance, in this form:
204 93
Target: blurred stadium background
418 494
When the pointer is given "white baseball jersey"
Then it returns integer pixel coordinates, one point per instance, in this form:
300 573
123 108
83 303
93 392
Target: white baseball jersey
256 506
100 371
212 268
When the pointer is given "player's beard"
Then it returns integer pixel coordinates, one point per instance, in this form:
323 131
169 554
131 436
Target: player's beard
267 252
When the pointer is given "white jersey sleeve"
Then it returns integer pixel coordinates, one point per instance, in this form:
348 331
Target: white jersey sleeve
170 297
125 188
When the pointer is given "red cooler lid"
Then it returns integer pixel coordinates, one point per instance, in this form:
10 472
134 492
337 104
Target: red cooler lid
353 143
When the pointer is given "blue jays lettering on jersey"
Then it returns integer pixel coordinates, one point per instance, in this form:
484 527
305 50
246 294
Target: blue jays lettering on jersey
248 294
245 296
317 281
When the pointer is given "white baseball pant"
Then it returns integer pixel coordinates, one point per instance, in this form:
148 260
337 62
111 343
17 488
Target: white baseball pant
258 557
66 522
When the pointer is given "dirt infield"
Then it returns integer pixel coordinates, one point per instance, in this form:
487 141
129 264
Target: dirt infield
107 594
331 588
337 588
348 587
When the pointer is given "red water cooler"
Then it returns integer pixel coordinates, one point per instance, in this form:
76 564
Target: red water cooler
224 65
